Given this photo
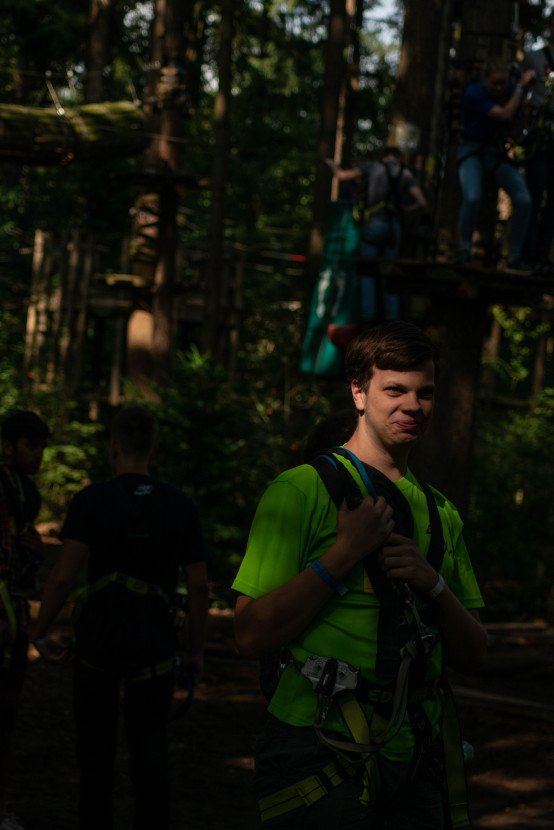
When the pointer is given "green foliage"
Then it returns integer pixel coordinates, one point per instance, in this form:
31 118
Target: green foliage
521 330
510 526
74 452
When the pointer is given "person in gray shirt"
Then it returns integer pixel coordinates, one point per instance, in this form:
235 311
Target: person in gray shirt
386 188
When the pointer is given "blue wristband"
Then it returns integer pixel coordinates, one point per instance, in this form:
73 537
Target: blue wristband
328 578
519 88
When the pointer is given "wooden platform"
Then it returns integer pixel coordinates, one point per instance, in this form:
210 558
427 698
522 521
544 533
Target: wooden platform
470 282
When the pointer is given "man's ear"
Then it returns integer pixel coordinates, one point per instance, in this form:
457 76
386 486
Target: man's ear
358 396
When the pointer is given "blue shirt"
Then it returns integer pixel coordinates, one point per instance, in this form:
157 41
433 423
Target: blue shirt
476 105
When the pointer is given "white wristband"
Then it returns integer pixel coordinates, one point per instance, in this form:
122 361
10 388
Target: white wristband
438 589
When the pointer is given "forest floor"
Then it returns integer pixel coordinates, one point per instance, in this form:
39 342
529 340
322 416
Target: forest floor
511 778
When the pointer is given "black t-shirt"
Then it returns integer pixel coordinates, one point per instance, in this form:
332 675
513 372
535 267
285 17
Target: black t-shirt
139 525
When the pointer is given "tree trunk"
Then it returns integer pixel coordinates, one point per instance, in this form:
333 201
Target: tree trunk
221 121
346 106
97 50
164 157
335 70
412 111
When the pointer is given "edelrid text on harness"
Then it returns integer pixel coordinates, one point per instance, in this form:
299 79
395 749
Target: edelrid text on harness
403 644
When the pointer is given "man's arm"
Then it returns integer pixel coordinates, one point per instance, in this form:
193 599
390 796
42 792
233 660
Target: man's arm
197 614
507 111
418 196
465 638
344 175
56 590
274 619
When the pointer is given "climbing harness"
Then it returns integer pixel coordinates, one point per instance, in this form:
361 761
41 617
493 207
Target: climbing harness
121 621
362 212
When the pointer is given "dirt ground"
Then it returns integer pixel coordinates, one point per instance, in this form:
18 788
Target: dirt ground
511 778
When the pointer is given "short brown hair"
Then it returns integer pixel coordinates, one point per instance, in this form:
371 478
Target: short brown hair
135 430
391 345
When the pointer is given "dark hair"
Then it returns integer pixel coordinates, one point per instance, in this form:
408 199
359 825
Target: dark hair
391 345
24 424
495 64
135 430
392 151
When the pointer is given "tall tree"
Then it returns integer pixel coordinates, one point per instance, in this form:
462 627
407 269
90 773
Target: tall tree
333 80
222 123
97 49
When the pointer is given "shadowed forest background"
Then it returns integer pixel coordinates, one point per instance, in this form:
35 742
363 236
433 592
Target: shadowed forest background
163 206
162 211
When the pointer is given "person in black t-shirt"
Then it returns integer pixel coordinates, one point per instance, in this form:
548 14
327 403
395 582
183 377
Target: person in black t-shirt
135 533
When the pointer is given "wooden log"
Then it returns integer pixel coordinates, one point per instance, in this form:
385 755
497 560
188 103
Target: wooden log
35 135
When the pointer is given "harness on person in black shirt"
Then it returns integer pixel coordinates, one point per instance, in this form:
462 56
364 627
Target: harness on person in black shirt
122 621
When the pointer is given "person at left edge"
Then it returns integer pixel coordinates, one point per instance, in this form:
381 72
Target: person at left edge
136 532
24 437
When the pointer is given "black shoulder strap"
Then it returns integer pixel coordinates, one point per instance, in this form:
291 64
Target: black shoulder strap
393 182
341 486
437 545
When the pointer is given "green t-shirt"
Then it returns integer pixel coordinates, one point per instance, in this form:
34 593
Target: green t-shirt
294 524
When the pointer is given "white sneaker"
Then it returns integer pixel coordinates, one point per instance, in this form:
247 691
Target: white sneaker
11 822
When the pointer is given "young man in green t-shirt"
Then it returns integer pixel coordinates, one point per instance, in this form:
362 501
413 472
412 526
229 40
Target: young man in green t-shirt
316 583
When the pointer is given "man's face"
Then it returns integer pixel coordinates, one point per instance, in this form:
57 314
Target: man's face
496 84
397 406
25 455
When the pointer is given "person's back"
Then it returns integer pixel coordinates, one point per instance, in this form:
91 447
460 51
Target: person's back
135 533
134 536
388 184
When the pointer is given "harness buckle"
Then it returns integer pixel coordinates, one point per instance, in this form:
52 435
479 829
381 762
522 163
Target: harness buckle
329 676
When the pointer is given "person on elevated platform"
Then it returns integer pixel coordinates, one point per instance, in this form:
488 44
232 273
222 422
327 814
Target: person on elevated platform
386 188
492 114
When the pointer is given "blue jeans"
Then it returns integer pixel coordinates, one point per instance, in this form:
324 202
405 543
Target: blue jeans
539 174
473 159
380 238
287 754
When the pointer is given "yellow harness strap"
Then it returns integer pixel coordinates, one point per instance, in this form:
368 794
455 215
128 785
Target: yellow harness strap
305 792
130 582
9 610
137 586
364 215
